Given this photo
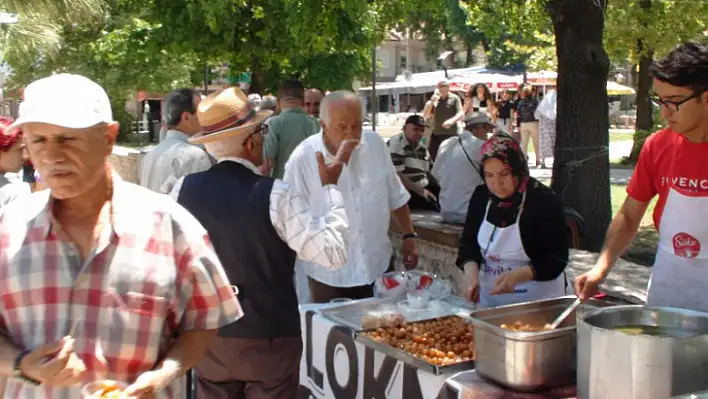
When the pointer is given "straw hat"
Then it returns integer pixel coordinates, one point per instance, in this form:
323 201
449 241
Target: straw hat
224 117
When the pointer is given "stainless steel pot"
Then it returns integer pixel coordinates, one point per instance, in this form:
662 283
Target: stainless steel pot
613 364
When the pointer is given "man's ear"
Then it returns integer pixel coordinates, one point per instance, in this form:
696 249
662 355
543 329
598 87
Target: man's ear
111 133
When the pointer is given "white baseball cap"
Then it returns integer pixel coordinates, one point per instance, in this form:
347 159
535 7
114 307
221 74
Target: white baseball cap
67 100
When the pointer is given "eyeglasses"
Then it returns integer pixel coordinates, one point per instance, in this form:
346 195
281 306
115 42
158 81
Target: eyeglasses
673 106
262 129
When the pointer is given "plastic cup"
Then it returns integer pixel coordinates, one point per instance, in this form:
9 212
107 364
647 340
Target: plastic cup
93 390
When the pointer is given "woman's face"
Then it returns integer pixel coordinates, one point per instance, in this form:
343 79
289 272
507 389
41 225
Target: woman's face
480 91
498 178
11 160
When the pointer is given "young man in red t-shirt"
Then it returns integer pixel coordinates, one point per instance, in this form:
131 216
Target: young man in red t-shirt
673 164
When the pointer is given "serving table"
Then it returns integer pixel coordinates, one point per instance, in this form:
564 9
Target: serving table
336 365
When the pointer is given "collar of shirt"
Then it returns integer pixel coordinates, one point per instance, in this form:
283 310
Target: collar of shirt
244 162
176 135
120 204
294 110
416 146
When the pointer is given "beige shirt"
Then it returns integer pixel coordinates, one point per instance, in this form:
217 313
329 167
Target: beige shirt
171 160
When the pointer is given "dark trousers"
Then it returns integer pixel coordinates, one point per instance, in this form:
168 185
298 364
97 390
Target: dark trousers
323 293
435 141
238 368
419 202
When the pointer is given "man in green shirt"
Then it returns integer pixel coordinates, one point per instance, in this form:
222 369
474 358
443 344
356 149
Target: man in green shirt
287 129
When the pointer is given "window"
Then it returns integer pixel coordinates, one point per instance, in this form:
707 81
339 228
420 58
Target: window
404 62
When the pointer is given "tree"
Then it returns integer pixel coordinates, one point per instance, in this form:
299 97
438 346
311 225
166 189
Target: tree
276 38
581 165
122 53
37 23
640 30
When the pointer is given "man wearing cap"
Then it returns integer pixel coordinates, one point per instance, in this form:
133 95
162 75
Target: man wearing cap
446 110
100 278
412 162
457 168
258 226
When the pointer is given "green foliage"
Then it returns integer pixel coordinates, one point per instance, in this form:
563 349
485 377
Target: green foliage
123 54
660 26
326 43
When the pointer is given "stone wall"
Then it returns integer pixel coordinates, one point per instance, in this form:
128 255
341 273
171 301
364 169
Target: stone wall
126 162
627 281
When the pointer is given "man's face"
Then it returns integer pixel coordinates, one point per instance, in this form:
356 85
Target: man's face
507 96
253 143
444 90
690 115
480 131
413 132
313 98
345 123
70 161
191 120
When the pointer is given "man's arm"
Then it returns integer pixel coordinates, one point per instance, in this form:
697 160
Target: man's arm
409 185
317 238
185 353
621 232
460 112
402 216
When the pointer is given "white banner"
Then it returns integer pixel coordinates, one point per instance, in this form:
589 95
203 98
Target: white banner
335 366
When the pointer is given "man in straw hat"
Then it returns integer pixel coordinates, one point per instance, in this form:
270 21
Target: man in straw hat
100 278
258 226
373 194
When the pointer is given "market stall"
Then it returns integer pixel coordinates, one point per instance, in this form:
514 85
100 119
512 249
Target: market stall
425 343
397 348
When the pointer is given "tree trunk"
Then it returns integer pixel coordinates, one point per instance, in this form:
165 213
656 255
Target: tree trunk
470 54
581 167
257 77
645 113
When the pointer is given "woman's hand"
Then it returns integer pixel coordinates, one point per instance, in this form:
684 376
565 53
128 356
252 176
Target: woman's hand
505 283
472 282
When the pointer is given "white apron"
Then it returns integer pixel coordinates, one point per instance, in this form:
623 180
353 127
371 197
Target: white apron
679 276
503 251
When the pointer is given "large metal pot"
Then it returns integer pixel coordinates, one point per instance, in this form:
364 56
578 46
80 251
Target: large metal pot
615 364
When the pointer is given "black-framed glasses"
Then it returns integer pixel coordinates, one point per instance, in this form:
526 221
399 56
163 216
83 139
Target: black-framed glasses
673 106
262 129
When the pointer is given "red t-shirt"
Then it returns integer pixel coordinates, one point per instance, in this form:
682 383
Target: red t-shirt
653 176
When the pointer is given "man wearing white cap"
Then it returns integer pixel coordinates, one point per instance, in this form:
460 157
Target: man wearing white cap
258 225
458 167
100 278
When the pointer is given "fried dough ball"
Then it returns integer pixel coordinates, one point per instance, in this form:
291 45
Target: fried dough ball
440 342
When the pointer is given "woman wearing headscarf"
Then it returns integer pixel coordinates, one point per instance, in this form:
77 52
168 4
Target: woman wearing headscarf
546 115
10 150
514 244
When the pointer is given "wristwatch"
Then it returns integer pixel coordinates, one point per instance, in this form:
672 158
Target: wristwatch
410 235
17 372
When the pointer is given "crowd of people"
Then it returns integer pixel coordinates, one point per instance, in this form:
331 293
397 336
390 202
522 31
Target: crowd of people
104 279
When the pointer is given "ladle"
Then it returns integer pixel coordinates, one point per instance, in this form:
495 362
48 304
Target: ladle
560 319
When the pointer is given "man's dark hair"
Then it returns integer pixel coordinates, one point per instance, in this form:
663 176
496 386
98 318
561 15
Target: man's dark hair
177 102
684 66
291 89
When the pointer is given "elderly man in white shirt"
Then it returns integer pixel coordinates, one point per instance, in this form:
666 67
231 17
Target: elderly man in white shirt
175 157
457 168
372 194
